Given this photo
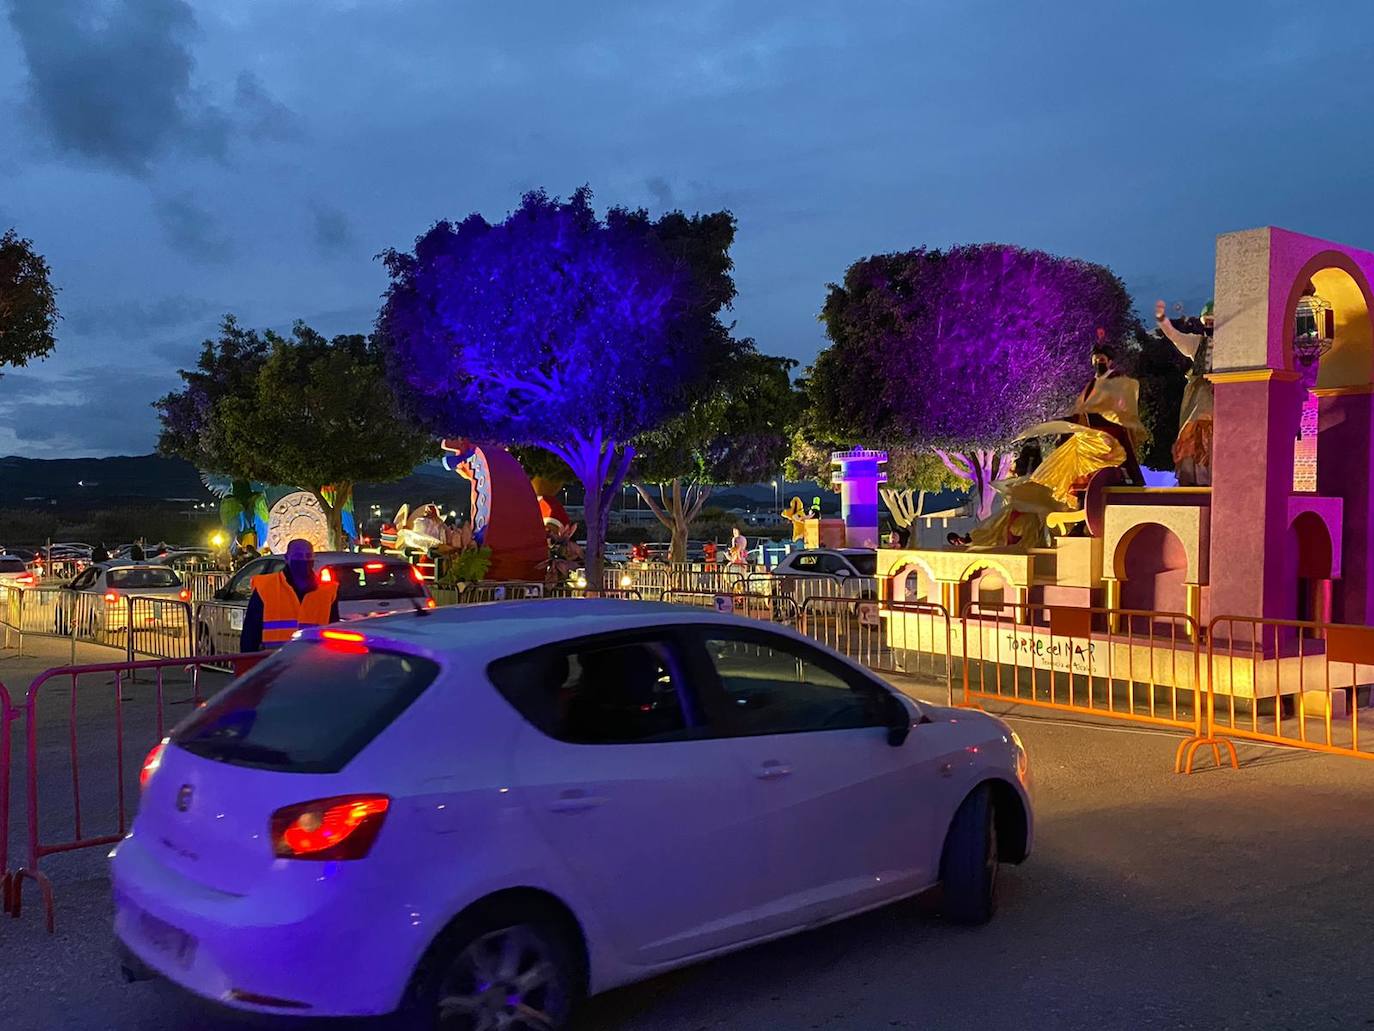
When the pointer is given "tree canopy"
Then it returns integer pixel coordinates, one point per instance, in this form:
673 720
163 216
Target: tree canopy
960 350
28 302
302 410
554 328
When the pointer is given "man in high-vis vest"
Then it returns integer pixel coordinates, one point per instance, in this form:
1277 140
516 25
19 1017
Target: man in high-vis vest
284 602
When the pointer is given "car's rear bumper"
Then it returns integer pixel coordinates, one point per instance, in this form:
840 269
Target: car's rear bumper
314 953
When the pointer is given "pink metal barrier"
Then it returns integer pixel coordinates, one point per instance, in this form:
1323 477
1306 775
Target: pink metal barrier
8 714
79 836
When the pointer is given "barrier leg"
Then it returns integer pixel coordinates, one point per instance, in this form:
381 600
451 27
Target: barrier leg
16 894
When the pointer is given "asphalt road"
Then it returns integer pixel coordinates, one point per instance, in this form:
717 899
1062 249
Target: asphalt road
1222 900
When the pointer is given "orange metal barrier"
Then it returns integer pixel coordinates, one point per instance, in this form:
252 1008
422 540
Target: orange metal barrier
1124 664
8 715
1286 682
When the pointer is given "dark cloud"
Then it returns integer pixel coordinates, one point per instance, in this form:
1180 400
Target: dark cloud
113 82
262 116
94 410
333 230
193 230
662 191
138 319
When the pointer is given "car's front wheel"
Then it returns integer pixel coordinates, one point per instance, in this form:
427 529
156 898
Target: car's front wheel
968 867
513 966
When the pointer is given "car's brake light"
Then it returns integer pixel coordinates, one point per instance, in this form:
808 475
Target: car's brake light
111 597
326 576
184 594
26 579
329 828
151 763
344 641
416 575
374 567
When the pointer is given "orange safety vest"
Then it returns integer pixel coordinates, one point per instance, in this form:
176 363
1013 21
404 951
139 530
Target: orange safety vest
283 613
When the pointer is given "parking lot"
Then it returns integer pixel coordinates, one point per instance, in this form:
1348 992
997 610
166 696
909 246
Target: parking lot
1222 900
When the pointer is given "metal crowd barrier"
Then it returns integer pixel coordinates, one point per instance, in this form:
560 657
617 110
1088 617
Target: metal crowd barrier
913 639
803 588
43 840
1285 682
1132 665
651 577
766 607
204 583
8 714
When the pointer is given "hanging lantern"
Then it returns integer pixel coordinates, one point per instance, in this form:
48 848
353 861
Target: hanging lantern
1314 327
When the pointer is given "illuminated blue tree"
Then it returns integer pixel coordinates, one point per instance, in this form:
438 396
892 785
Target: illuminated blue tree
552 328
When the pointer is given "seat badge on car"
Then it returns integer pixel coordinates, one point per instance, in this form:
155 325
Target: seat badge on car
184 798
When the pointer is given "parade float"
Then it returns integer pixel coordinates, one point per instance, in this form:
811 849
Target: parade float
1274 521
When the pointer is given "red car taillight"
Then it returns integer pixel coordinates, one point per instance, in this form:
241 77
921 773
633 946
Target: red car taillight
111 597
25 579
151 763
184 594
416 575
329 828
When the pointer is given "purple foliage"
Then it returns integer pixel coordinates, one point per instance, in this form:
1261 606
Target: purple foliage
962 348
552 327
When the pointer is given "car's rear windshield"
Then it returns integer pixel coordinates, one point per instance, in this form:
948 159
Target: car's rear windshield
309 709
867 565
135 577
369 581
11 564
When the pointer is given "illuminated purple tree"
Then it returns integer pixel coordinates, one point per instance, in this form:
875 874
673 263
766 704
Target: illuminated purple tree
959 351
552 328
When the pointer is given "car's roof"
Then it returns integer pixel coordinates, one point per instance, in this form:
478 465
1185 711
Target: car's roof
486 631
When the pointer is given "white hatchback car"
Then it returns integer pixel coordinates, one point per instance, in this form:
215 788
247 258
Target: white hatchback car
475 817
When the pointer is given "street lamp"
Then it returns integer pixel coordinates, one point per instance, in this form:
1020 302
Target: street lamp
777 502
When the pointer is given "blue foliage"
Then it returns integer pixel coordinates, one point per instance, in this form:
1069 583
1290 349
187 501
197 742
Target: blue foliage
552 327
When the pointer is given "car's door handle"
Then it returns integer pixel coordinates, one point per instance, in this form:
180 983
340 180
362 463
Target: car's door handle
576 801
772 770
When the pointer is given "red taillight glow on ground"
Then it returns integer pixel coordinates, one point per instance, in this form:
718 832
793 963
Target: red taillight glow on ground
151 763
330 828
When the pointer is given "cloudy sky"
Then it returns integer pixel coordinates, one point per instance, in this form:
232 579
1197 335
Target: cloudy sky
178 160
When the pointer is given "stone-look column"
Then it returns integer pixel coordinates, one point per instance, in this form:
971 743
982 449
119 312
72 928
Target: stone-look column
1257 416
1346 426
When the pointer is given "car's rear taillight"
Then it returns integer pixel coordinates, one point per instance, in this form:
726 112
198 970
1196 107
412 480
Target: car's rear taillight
151 763
184 594
326 576
329 828
25 579
416 575
111 597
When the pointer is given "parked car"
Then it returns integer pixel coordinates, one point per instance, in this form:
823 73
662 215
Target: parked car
97 600
849 572
483 814
187 558
616 551
14 570
369 585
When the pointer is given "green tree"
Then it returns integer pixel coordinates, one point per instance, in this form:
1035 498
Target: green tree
318 414
228 366
1163 373
737 430
28 302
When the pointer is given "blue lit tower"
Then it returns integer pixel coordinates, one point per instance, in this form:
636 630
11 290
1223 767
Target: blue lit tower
858 477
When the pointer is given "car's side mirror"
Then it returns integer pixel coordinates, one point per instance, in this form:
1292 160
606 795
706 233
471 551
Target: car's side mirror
222 594
842 572
899 721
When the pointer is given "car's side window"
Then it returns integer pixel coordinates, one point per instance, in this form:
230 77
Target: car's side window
774 685
808 562
241 587
85 580
600 692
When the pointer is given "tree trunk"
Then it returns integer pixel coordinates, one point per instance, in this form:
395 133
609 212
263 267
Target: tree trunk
334 513
676 510
983 468
600 465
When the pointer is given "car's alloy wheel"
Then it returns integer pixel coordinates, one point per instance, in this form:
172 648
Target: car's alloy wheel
511 979
968 868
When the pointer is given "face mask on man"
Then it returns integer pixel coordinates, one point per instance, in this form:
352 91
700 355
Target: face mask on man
300 563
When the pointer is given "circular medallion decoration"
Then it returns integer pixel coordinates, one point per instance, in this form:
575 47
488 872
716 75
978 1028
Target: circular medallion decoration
297 515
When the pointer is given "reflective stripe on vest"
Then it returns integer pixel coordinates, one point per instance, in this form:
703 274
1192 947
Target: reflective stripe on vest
283 613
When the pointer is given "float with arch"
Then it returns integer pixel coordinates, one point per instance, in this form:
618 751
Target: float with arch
1285 531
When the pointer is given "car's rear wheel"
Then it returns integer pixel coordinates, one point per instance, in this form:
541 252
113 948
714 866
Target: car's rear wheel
514 966
205 640
968 867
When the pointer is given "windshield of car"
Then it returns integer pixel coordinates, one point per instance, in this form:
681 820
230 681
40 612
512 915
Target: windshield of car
10 564
309 709
368 581
867 565
141 577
